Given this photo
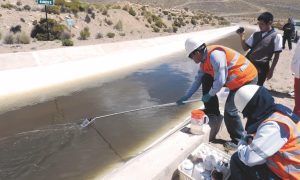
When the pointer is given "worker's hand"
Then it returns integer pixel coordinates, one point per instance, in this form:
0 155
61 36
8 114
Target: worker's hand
206 98
180 101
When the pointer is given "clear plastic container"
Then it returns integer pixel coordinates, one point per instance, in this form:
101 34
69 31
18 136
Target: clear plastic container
198 118
198 170
187 167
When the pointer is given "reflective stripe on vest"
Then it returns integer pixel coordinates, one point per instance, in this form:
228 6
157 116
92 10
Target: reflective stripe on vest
286 162
240 70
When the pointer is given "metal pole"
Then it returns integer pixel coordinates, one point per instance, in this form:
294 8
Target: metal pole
48 35
87 121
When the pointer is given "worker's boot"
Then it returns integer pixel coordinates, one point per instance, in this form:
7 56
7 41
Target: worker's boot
214 124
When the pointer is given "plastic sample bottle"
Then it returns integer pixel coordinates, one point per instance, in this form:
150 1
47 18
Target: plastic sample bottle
187 167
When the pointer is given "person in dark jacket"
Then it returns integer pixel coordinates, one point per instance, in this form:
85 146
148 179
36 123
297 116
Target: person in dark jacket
288 30
270 146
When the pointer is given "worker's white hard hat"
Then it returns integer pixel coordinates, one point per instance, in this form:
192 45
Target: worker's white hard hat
192 44
244 95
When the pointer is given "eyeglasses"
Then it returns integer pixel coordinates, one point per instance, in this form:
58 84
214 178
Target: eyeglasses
192 54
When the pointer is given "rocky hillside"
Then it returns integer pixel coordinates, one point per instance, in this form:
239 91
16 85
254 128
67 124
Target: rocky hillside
72 22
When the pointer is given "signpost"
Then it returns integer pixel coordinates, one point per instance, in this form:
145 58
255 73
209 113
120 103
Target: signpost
49 3
45 2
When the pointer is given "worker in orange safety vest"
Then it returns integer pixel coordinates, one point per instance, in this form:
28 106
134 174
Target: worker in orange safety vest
219 66
271 150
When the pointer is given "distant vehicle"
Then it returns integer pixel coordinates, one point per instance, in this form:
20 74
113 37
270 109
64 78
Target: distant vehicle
296 34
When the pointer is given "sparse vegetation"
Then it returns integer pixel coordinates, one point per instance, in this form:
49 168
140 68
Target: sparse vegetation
99 35
87 19
155 29
73 6
108 22
119 26
53 9
165 12
126 8
65 35
85 33
34 22
19 3
41 33
154 19
277 25
132 12
22 38
110 35
194 21
27 7
15 29
105 12
7 6
8 39
159 23
67 42
175 29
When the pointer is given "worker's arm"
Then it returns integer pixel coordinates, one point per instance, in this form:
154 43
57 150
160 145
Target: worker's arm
277 51
195 85
267 141
244 44
219 63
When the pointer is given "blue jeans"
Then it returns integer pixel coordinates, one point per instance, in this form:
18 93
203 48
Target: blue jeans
231 116
240 171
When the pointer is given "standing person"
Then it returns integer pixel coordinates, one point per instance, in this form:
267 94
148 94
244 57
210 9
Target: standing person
263 45
219 66
296 70
273 151
288 30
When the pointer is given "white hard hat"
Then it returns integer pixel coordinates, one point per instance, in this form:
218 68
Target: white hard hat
192 44
244 95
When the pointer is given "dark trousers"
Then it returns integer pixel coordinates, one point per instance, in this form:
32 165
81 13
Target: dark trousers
212 106
239 171
262 69
288 39
231 117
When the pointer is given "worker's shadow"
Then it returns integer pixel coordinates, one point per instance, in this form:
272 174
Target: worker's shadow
280 94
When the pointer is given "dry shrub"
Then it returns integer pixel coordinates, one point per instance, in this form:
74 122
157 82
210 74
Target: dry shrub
22 38
85 34
8 39
99 35
110 35
119 26
67 42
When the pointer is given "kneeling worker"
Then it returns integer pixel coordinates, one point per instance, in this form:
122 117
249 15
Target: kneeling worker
274 150
220 66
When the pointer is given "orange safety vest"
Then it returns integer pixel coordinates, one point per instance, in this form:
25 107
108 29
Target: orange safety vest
286 162
240 69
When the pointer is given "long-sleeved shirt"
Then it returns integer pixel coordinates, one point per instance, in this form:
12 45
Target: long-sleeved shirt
295 65
268 139
219 64
288 29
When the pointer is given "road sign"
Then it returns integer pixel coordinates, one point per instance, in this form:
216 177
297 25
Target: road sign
46 2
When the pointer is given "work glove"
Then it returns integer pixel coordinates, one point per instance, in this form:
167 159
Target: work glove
206 98
180 101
